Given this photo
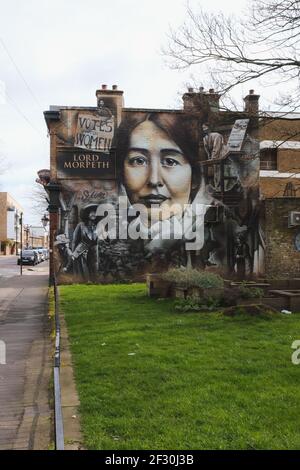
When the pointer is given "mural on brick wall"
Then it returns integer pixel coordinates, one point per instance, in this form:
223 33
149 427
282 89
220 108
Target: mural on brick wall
160 189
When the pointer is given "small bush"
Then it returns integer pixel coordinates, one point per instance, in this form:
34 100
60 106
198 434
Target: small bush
186 277
194 304
251 292
230 297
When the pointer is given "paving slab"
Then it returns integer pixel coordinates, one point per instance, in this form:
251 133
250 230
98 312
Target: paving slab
25 378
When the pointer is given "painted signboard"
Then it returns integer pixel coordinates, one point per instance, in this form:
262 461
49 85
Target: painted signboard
94 133
72 162
237 135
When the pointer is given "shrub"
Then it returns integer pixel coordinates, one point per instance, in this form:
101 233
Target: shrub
194 304
251 292
230 297
187 277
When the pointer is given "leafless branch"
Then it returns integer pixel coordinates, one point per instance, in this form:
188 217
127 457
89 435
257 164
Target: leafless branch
264 43
38 199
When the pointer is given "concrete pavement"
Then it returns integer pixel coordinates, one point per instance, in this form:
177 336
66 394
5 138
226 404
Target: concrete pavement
25 415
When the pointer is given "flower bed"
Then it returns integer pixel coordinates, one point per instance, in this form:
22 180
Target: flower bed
183 283
202 287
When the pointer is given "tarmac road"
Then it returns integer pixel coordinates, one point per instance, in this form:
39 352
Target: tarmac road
10 268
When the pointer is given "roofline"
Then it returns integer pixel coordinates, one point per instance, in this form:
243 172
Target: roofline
55 109
53 113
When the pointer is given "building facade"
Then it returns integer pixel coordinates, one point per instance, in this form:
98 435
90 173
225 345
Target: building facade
10 224
35 236
134 191
280 191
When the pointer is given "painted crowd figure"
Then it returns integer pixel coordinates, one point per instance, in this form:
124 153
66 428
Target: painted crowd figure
84 245
213 143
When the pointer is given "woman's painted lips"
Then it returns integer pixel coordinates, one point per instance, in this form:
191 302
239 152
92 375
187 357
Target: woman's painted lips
153 199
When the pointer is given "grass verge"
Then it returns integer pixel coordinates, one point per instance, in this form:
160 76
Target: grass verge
149 377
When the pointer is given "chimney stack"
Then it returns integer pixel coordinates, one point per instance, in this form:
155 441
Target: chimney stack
252 103
201 100
113 99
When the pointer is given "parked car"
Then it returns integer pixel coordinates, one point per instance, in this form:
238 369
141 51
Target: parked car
38 254
28 257
41 253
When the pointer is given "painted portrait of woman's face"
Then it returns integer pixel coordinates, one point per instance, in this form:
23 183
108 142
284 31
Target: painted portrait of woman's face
156 172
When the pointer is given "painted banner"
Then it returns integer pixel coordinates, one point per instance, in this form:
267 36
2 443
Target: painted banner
94 132
237 135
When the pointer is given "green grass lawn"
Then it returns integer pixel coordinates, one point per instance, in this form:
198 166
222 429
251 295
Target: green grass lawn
149 377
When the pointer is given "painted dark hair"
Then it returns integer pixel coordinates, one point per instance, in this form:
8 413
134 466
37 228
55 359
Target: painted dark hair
85 212
180 128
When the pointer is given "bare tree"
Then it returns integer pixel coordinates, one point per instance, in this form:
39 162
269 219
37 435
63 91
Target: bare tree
39 199
265 42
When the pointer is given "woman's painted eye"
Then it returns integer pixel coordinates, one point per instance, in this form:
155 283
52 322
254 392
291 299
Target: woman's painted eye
138 161
169 162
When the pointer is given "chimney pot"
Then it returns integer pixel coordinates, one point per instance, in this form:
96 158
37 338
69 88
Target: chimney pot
191 90
251 103
115 87
211 90
104 87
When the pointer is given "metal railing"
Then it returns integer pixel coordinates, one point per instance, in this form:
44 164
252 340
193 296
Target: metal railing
59 428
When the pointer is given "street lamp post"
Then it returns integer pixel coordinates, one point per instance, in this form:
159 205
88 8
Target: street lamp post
27 230
45 220
21 240
16 229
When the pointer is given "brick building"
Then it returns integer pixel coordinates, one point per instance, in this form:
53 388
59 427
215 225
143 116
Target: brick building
10 216
243 164
280 191
280 155
35 236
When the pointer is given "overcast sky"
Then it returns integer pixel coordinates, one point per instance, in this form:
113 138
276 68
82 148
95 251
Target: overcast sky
65 50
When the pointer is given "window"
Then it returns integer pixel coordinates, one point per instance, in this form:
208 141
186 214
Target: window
268 159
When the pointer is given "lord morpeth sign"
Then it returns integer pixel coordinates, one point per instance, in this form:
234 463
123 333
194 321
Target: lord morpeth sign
72 162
